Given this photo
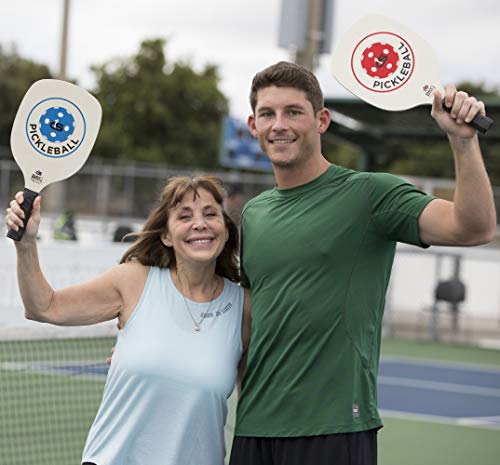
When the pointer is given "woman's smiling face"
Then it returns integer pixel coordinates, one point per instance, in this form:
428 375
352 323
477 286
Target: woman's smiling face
196 229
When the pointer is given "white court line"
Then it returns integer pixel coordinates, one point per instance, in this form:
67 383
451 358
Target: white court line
46 368
477 422
439 386
473 421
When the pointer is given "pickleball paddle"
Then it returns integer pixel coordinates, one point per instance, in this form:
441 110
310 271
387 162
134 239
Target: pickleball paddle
53 133
389 66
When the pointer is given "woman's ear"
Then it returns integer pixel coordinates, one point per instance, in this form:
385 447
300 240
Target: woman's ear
165 238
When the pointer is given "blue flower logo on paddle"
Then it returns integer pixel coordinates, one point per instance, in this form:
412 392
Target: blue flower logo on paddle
55 127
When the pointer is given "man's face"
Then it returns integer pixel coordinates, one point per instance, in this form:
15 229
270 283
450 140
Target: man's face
286 126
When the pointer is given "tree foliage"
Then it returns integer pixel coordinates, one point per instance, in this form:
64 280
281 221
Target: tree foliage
478 89
16 76
159 112
435 159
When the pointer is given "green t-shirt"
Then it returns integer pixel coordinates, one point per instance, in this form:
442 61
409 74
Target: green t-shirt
317 259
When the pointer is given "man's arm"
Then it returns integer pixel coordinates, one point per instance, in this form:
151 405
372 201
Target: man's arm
246 325
471 218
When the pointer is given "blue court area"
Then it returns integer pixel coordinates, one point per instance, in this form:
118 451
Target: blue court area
461 394
99 370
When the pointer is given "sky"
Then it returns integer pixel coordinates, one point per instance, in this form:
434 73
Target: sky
241 37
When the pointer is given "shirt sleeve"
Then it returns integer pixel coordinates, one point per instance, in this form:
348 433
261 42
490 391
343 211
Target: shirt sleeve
396 208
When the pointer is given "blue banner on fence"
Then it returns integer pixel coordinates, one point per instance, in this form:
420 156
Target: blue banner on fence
239 149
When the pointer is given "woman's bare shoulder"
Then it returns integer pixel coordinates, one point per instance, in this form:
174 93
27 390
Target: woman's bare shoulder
131 280
130 274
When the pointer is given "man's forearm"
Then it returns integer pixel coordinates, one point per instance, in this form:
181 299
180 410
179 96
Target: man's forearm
474 204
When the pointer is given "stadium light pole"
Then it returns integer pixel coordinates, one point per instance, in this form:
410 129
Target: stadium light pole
306 29
55 194
314 35
64 40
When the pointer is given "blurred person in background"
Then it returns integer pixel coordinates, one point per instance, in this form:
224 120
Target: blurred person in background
64 227
235 202
184 326
124 233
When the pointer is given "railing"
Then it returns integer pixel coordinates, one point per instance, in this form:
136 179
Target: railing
427 281
416 274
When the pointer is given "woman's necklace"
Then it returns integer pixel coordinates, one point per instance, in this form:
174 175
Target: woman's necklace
197 324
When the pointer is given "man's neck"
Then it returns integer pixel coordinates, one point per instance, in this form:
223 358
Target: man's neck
298 175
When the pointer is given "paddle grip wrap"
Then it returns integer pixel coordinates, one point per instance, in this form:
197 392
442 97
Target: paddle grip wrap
26 207
480 122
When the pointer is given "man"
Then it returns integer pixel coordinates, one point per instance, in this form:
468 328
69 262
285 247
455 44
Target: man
317 252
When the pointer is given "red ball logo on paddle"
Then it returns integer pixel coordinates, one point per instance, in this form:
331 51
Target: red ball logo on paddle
380 60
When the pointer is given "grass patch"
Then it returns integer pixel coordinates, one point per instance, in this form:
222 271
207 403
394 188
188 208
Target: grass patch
440 352
414 442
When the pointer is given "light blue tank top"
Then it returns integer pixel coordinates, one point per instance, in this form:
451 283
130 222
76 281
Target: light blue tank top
165 399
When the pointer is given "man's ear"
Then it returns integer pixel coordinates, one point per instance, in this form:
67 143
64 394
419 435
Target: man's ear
323 118
251 126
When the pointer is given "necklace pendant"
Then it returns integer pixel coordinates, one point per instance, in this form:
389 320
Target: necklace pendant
196 328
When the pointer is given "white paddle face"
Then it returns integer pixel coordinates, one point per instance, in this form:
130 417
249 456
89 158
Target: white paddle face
386 64
54 131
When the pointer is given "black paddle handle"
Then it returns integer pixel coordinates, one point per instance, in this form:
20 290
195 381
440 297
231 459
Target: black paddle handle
480 122
26 207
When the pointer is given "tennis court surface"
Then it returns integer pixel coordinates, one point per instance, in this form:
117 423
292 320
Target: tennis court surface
437 409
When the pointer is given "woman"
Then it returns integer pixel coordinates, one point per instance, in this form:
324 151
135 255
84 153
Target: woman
182 332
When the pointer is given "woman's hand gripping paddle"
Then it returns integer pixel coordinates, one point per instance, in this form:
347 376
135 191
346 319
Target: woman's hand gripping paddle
53 133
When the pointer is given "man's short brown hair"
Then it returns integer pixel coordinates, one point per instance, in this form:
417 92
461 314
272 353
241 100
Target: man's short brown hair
286 74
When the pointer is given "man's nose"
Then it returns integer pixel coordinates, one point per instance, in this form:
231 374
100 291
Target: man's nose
279 124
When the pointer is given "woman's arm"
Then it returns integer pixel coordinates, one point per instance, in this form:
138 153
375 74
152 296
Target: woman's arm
83 304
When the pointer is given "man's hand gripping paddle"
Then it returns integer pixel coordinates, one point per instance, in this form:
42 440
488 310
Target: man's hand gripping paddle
53 133
389 66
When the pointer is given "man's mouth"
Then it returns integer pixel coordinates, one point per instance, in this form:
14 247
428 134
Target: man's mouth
282 141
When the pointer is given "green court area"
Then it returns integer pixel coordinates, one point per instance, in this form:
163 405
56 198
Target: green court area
50 391
440 352
60 350
48 398
410 442
45 418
